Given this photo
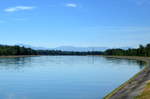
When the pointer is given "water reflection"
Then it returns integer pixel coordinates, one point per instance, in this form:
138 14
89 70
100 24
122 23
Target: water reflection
21 62
63 77
14 63
131 62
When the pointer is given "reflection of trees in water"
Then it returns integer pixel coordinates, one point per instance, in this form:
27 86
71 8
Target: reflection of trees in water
72 60
20 63
15 63
141 64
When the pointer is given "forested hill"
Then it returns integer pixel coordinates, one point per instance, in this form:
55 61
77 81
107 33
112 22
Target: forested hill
6 50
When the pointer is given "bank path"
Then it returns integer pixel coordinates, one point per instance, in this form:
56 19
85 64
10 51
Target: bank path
133 87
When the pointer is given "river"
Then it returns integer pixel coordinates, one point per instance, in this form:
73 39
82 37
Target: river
63 77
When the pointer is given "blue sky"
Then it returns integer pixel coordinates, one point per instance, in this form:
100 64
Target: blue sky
52 23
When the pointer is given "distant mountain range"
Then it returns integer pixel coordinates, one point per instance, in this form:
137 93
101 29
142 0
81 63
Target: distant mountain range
70 48
33 47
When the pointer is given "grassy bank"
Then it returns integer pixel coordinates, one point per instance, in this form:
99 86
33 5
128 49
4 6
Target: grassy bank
135 86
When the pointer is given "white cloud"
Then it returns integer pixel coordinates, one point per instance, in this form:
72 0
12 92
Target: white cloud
18 8
72 5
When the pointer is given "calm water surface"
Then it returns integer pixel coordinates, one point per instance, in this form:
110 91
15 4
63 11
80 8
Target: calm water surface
63 77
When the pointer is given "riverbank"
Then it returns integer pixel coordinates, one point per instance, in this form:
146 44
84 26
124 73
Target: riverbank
136 85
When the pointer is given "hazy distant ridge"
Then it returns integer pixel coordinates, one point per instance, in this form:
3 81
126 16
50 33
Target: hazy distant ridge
71 48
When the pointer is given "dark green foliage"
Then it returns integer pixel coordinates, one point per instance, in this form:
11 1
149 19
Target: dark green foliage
57 52
16 50
6 50
141 51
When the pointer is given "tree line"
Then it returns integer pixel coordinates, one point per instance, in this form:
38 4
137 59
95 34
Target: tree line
140 51
16 50
6 50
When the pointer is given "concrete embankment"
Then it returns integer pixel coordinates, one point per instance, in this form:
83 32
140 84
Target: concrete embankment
134 86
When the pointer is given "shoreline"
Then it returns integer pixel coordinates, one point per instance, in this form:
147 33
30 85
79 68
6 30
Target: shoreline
135 85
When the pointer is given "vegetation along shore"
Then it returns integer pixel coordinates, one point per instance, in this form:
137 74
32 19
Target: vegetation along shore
6 50
138 86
